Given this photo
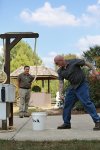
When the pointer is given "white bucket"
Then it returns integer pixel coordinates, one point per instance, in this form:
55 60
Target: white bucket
39 120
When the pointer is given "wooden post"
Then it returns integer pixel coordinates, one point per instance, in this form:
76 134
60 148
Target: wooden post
48 86
7 71
42 83
7 60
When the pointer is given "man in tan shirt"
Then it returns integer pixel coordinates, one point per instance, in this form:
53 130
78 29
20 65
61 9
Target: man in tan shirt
24 84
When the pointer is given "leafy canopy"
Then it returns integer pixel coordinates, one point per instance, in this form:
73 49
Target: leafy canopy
93 55
22 54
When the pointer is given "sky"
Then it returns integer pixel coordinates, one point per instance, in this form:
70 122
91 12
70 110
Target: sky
64 26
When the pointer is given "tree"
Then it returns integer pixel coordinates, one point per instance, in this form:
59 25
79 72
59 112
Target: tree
1 61
93 55
70 56
22 54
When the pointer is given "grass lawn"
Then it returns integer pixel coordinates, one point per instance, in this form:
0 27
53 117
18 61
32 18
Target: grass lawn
30 109
62 145
50 111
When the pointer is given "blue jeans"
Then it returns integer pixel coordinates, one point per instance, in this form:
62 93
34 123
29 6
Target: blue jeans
82 94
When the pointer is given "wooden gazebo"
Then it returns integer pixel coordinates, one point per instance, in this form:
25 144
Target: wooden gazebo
42 73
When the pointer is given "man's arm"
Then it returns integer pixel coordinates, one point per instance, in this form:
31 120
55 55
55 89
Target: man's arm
92 68
61 88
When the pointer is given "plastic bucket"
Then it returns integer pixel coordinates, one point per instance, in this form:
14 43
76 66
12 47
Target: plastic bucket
39 120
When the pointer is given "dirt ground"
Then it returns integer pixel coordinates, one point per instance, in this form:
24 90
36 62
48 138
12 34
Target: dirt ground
50 111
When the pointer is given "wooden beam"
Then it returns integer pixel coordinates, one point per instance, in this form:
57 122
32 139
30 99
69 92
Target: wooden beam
14 42
19 34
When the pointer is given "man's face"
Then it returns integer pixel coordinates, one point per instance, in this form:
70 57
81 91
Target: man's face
26 70
59 63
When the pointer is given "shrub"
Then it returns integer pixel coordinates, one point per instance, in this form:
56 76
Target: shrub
36 88
94 85
95 90
94 93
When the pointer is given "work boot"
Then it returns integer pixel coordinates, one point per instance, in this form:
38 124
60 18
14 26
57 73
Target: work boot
97 126
64 126
26 114
21 115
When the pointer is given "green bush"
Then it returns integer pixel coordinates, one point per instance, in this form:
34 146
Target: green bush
36 88
94 85
95 90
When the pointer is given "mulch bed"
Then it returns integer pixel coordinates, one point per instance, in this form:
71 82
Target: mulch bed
59 111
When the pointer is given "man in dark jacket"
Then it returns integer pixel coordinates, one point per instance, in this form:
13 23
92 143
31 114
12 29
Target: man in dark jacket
71 70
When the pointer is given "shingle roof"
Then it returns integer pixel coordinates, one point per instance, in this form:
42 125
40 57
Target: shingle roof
42 72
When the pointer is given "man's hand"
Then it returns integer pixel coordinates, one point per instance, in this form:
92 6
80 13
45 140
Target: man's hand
96 74
61 97
61 87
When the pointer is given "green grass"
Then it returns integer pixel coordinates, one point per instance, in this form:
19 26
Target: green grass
31 109
56 145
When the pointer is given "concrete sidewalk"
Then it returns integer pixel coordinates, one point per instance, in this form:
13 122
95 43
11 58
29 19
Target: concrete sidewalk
82 129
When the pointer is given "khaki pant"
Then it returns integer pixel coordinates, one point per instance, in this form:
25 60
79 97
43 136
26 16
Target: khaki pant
24 99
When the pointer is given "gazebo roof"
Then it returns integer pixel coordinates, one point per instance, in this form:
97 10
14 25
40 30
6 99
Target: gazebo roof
43 73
